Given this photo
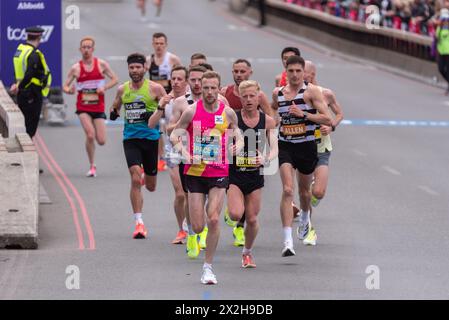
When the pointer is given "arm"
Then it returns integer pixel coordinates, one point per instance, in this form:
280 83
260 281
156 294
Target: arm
274 105
110 74
161 96
277 80
33 70
68 88
175 60
336 109
236 132
265 104
272 138
180 130
317 100
178 106
117 104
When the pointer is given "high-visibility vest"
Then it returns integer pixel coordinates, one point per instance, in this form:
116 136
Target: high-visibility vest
21 63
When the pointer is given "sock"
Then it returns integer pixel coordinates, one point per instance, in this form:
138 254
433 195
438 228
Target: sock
246 251
138 217
288 234
304 216
189 227
207 265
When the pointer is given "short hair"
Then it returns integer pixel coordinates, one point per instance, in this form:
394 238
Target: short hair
291 49
196 56
211 75
242 61
207 66
160 35
295 60
136 58
177 68
197 69
248 84
87 38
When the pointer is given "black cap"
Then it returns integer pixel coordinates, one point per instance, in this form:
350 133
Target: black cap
35 30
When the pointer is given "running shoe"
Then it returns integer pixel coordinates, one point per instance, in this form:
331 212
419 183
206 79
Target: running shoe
202 238
228 219
140 232
239 236
248 261
161 165
314 201
310 239
288 249
208 276
180 237
92 173
295 212
303 229
192 247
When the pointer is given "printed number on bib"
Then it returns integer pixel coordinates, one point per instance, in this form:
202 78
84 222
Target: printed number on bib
208 147
135 111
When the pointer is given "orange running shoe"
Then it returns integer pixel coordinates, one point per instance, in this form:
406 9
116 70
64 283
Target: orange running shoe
140 232
248 261
180 237
161 165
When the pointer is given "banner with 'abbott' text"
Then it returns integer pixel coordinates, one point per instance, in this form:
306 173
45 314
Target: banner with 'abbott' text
15 17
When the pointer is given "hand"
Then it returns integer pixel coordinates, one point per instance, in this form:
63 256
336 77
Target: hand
295 110
100 91
14 89
70 90
113 115
325 130
165 100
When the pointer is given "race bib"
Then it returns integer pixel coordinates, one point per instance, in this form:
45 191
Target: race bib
294 129
89 97
135 112
208 147
318 134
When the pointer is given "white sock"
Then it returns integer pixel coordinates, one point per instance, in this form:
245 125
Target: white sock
207 265
288 234
246 251
138 217
304 216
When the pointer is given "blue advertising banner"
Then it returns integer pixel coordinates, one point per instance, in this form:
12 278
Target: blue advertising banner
15 17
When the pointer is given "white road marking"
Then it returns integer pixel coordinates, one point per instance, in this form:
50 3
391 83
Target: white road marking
391 170
428 190
359 153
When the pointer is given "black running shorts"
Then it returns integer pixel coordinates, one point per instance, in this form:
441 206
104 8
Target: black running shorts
142 152
93 115
302 156
204 184
247 182
182 176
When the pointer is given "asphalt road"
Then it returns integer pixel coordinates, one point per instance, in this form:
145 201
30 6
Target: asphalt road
386 206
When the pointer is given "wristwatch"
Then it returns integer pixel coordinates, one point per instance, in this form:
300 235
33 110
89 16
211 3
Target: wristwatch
305 115
160 108
333 128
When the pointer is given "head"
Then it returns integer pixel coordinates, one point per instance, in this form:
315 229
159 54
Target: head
159 43
210 83
197 58
136 66
310 72
87 47
206 66
179 79
295 70
249 94
34 35
194 79
288 52
241 71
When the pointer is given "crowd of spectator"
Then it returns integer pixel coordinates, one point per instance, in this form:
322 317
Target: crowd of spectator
417 16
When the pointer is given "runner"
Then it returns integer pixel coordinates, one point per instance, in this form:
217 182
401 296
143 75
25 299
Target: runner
245 177
281 79
207 170
173 158
89 74
160 64
241 71
140 98
321 174
297 104
197 58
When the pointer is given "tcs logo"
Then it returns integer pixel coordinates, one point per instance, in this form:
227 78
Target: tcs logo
18 34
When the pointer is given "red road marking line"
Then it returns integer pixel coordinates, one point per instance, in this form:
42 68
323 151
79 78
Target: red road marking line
80 200
67 195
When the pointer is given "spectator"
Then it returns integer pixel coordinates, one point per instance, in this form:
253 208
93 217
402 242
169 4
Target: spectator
442 42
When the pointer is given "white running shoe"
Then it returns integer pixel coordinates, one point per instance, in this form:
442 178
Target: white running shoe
92 172
303 227
208 276
288 249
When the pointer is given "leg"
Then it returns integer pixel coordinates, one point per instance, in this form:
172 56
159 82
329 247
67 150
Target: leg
236 205
196 211
304 182
252 208
320 184
100 131
89 130
136 194
287 195
179 203
214 207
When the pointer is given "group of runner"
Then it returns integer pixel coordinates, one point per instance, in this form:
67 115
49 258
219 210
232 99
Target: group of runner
219 140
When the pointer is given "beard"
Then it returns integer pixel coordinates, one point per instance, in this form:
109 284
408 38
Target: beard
136 77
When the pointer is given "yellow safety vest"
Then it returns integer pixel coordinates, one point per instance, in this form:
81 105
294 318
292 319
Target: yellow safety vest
21 63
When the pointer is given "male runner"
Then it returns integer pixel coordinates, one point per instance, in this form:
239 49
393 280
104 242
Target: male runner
140 98
172 157
321 173
241 71
197 58
89 74
300 106
281 79
207 170
160 64
245 177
